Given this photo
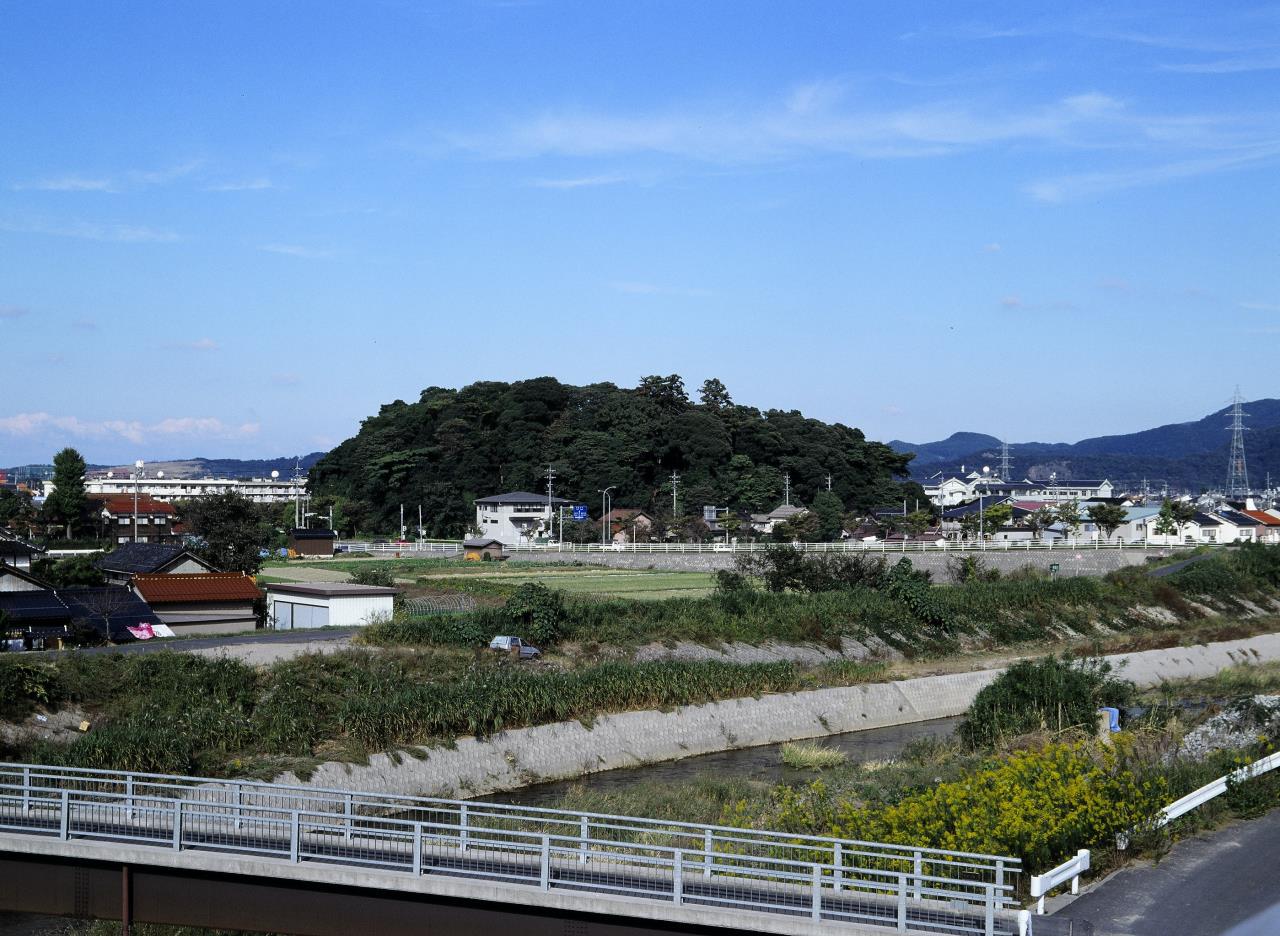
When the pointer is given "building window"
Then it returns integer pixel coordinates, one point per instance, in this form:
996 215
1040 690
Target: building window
122 539
142 520
124 520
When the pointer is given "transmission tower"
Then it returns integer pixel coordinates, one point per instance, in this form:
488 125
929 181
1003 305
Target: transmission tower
1004 462
1237 472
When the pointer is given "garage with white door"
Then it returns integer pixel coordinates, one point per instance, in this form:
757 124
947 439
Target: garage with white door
306 606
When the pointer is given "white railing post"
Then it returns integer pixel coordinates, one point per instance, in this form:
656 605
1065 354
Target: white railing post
677 879
902 902
917 870
837 859
708 844
544 868
294 835
239 806
584 833
462 828
348 816
417 849
177 825
989 928
64 817
26 790
815 907
128 794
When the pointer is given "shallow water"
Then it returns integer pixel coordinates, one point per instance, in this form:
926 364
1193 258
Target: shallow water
762 763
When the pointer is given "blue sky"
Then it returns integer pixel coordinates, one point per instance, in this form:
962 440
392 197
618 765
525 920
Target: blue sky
237 229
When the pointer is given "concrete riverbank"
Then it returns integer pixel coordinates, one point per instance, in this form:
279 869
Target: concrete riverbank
516 758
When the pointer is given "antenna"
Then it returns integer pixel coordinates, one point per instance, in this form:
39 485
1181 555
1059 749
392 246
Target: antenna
1237 471
1004 461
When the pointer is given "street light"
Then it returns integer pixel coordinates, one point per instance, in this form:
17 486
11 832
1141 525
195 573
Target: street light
606 502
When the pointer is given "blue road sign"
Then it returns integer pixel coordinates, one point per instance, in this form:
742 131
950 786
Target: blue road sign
579 513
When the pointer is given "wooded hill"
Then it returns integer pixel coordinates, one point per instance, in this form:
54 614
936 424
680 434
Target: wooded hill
453 446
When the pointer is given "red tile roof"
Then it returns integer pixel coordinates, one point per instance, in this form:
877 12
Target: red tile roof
122 505
205 586
1262 517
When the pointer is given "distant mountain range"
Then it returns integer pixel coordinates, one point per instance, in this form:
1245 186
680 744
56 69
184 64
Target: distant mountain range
193 467
1186 456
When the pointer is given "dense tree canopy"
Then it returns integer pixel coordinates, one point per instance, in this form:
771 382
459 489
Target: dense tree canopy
68 504
453 446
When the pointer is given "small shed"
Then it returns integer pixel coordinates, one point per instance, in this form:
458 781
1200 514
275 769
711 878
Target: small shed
301 606
313 542
475 550
207 603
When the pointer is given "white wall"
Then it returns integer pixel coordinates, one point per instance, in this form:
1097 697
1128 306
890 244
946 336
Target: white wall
335 611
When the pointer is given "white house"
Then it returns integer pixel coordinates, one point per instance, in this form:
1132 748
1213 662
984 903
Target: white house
951 491
299 606
518 517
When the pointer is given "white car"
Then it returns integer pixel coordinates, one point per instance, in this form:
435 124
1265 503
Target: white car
515 645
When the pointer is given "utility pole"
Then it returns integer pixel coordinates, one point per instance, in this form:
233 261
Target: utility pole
828 482
419 522
551 477
1237 472
675 486
786 489
402 521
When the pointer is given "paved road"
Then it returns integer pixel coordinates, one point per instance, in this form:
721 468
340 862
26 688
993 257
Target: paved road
1204 887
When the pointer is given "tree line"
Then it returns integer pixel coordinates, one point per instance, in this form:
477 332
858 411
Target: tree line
452 446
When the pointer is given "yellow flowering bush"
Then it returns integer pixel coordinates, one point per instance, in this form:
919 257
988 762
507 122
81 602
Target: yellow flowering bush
1040 806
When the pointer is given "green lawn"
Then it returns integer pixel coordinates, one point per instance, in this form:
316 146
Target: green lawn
611 583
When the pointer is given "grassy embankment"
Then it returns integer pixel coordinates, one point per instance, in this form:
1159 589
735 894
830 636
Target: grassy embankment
181 713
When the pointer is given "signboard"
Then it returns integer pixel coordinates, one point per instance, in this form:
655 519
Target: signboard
579 512
1053 568
709 513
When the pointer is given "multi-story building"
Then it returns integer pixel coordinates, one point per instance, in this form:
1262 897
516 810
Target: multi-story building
126 519
258 490
518 517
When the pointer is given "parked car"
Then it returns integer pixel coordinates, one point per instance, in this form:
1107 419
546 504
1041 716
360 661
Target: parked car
515 646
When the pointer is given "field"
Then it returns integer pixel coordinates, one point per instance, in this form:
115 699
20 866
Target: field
607 583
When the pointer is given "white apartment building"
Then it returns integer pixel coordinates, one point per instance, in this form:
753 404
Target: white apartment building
258 490
518 517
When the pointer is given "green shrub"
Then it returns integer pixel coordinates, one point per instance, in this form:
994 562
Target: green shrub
373 575
536 613
26 683
1048 693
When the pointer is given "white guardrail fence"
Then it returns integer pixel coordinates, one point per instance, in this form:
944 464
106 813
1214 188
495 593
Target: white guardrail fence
450 548
834 880
1071 870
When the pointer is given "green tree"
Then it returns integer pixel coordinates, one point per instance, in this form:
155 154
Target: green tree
987 520
16 510
1183 513
1108 517
803 527
917 522
1040 520
714 394
229 531
1068 513
829 510
67 504
69 572
1166 524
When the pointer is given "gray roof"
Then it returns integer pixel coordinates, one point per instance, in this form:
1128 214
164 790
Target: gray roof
330 589
300 534
143 558
522 497
481 543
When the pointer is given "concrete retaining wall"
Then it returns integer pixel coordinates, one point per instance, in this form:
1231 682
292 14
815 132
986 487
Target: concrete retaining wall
569 749
1071 562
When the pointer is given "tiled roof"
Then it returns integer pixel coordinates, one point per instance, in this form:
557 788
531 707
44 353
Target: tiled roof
10 547
111 610
521 497
24 575
300 534
207 586
1262 517
481 543
122 504
33 606
135 558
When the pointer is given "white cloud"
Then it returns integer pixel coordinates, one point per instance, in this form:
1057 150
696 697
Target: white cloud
1012 302
653 289
200 344
1261 306
1228 66
296 250
28 424
12 312
90 230
135 178
285 380
243 185
68 183
992 247
580 182
85 324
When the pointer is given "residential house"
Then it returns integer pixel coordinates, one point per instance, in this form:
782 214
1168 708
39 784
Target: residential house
16 553
129 559
1236 527
951 491
766 523
518 517
202 603
627 524
32 620
312 542
298 606
154 519
1269 530
115 613
13 579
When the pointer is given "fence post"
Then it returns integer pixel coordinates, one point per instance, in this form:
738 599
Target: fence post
545 865
128 794
902 902
708 845
677 881
26 790
417 849
917 871
177 825
462 827
1000 873
294 835
815 909
990 922
239 805
837 859
584 833
348 816
64 827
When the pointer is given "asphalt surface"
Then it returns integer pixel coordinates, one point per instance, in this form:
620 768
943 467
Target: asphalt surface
260 639
1205 886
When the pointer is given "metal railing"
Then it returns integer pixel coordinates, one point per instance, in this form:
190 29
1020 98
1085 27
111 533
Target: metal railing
870 883
1216 788
903 546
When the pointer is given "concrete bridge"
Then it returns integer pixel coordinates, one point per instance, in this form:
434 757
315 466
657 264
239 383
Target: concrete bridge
256 856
